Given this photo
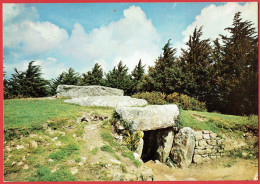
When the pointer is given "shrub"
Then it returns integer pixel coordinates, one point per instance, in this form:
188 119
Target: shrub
156 98
186 102
132 140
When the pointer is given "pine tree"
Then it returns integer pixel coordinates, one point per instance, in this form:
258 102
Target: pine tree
137 75
69 77
160 76
28 83
238 77
119 78
94 77
197 65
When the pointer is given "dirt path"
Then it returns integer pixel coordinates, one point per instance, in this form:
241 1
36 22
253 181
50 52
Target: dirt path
224 169
92 135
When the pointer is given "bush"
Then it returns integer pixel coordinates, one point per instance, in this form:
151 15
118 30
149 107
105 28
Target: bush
132 140
186 102
156 98
183 101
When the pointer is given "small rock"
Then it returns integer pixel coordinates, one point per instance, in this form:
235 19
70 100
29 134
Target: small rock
19 147
34 144
54 170
58 143
20 163
198 135
13 163
206 131
202 143
8 148
206 136
54 138
80 163
40 137
32 135
118 177
73 170
244 154
157 162
213 135
25 167
115 161
83 159
137 156
74 135
24 158
51 160
72 161
45 126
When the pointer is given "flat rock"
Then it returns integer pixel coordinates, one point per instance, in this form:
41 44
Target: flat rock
183 147
108 101
83 91
151 117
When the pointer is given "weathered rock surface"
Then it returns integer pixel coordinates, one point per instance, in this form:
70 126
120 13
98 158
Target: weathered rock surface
208 146
164 143
83 91
151 117
183 147
108 101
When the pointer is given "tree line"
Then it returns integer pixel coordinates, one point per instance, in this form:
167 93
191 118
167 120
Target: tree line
221 72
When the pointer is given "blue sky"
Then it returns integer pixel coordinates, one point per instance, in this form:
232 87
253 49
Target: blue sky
59 36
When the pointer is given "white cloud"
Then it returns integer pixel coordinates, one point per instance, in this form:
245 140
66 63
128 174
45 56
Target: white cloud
129 39
215 19
50 68
18 12
27 35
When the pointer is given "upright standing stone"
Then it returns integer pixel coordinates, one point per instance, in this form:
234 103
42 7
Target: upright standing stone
164 143
183 147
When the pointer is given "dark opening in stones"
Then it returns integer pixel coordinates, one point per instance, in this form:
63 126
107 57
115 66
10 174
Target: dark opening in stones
150 145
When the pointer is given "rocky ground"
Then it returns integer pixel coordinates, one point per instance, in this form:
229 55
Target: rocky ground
219 169
86 149
98 158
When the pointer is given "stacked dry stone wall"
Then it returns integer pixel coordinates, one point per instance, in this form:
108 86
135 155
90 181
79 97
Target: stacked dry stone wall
208 145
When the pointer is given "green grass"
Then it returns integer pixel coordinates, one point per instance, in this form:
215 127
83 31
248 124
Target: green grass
44 174
109 149
217 122
94 151
130 155
26 113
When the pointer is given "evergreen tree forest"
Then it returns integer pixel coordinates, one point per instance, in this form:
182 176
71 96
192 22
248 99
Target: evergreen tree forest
223 72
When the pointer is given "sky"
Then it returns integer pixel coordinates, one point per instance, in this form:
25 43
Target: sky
78 35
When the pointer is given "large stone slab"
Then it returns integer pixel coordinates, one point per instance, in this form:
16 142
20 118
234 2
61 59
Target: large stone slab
183 147
108 101
151 117
83 91
164 142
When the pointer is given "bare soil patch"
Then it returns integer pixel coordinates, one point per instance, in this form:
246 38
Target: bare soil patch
220 169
